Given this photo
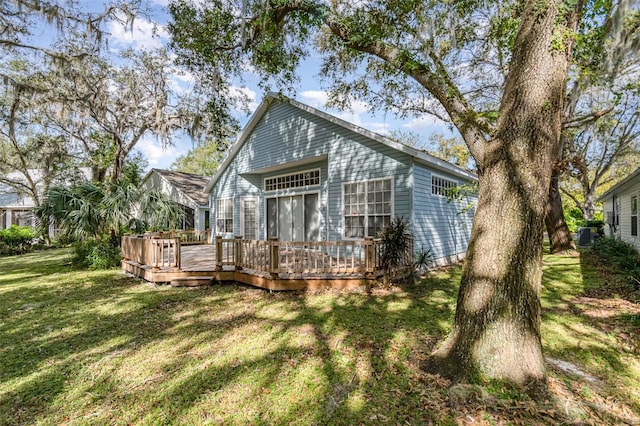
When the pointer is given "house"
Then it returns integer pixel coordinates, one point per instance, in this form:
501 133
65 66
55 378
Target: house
186 189
16 207
299 174
620 204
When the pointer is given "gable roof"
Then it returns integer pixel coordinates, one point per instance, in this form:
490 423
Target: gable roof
420 156
620 184
189 184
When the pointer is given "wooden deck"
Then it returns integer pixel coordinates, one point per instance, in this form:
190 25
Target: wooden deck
270 264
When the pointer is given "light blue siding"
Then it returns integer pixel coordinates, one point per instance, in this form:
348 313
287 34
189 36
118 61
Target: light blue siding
439 225
287 134
287 139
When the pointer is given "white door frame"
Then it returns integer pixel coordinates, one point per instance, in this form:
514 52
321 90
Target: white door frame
290 194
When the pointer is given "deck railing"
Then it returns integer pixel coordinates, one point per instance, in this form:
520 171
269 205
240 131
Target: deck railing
272 256
186 237
152 250
299 257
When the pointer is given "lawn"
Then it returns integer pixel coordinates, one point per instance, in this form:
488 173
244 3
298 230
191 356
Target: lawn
96 347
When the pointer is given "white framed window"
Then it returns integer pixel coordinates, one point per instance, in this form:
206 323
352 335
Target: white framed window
367 207
440 186
249 217
224 215
293 180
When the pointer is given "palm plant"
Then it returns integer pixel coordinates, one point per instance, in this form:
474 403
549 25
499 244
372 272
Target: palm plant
90 210
397 247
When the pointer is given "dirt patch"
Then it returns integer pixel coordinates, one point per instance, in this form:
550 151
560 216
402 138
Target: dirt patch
605 308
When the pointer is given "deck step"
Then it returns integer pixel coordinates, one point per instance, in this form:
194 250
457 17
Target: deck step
191 281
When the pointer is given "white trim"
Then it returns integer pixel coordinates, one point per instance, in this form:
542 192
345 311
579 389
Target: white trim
439 176
225 218
366 204
288 165
242 214
318 169
274 195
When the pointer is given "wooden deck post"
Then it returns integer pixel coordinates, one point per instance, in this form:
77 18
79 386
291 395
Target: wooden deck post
218 239
156 249
274 257
369 258
238 251
178 253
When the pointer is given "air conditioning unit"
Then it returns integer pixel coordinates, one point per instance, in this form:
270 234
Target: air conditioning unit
586 236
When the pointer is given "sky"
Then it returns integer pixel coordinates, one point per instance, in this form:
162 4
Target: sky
308 91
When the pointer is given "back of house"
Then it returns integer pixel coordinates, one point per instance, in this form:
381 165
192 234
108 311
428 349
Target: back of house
298 174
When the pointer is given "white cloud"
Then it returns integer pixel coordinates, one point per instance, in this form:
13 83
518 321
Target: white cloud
158 156
180 81
318 99
249 94
423 122
378 127
163 3
350 117
143 34
315 98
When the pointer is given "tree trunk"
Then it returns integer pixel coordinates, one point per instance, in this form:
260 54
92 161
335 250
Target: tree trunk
496 331
560 239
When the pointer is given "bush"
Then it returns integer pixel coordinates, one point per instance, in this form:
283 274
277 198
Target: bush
621 254
97 254
397 243
16 240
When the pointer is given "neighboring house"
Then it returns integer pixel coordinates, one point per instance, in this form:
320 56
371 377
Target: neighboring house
16 207
299 174
186 189
620 204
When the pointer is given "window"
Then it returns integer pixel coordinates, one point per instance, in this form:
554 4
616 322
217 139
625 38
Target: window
22 218
367 207
634 215
224 216
249 218
440 186
293 180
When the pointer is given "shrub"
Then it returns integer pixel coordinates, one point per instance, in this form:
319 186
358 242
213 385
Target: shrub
621 254
16 240
97 254
397 243
397 255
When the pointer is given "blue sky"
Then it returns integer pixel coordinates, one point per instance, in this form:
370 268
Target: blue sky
143 36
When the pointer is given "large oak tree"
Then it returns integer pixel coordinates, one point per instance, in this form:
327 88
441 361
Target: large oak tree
497 71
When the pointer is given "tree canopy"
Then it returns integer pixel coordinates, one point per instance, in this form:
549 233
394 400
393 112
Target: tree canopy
496 71
68 101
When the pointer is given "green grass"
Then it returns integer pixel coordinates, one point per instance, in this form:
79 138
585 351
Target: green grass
95 347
